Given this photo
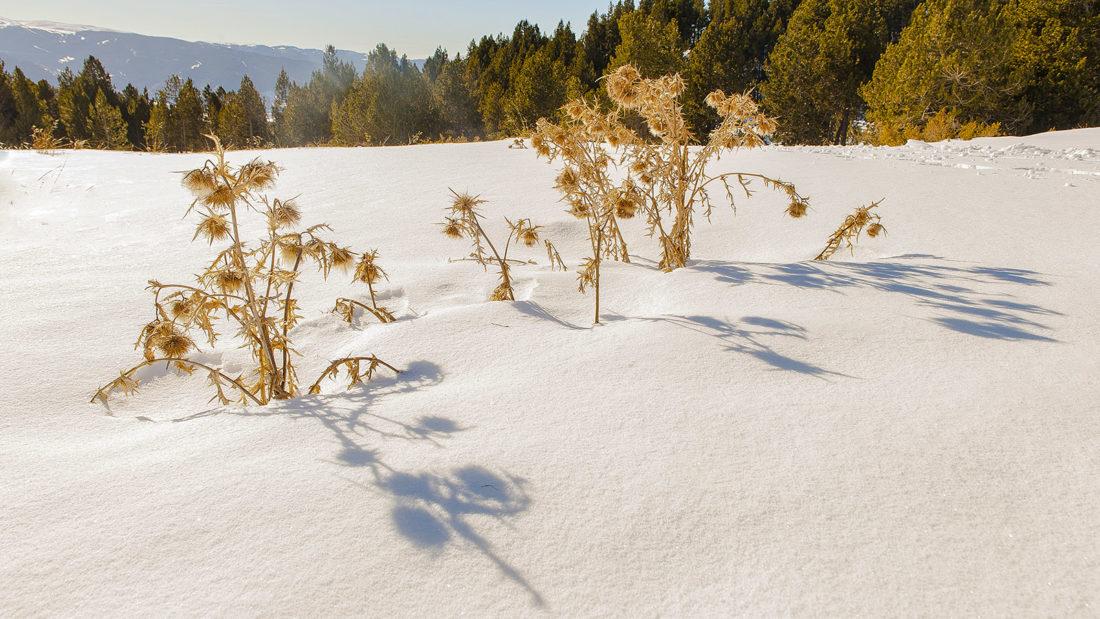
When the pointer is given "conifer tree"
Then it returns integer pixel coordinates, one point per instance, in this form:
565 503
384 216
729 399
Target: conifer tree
721 60
30 109
106 128
455 101
1057 47
652 46
255 111
135 107
954 56
278 108
538 91
8 113
815 70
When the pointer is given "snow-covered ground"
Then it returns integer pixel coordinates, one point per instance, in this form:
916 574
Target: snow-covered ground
912 429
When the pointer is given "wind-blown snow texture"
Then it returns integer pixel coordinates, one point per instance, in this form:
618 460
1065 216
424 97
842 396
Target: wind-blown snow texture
911 429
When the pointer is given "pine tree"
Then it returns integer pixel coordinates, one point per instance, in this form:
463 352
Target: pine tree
389 104
815 70
1057 47
955 55
77 93
278 108
8 112
538 90
30 109
455 101
308 114
106 128
652 46
691 17
255 111
721 60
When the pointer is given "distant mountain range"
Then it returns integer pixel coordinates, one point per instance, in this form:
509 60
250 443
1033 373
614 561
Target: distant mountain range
43 49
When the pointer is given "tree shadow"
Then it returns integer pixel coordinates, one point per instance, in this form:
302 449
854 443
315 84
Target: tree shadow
959 292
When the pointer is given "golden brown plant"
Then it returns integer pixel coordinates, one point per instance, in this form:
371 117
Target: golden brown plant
353 367
612 173
251 286
43 140
369 273
464 221
849 231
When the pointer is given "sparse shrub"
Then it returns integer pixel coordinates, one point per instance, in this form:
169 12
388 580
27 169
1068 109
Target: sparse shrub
850 229
663 177
943 125
250 286
43 139
464 221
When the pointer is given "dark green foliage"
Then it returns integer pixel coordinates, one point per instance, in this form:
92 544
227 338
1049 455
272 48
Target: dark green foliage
389 104
907 67
651 45
815 70
956 55
1057 47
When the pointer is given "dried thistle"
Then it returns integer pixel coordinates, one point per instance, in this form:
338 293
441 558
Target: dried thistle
666 179
464 221
850 229
251 286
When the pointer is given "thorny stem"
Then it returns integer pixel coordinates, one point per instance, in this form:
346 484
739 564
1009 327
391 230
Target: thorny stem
103 391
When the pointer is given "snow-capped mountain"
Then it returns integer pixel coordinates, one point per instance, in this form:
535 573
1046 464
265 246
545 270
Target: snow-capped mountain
43 49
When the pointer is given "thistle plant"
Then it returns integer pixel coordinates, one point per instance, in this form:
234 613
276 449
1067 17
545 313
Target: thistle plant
464 222
250 286
611 172
368 272
850 229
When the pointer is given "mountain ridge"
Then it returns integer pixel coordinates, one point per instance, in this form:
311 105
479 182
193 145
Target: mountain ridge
42 49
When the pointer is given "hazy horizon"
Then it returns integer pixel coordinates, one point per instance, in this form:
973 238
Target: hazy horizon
414 29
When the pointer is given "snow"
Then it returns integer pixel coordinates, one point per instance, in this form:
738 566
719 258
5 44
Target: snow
911 429
49 26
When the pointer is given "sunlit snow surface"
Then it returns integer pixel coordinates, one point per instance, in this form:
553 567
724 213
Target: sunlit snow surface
911 429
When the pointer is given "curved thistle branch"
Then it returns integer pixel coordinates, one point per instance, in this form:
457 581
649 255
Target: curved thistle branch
129 385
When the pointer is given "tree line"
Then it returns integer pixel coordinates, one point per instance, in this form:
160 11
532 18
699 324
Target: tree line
832 71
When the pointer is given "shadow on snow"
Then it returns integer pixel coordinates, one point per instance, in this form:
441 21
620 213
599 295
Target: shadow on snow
430 509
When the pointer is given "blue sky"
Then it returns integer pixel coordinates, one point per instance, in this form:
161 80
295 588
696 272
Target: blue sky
413 27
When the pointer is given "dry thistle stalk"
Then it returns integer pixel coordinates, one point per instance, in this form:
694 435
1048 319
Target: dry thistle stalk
850 229
369 273
464 221
353 368
663 176
250 286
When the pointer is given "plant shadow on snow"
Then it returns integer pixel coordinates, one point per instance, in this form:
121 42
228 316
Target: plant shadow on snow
747 337
952 289
431 510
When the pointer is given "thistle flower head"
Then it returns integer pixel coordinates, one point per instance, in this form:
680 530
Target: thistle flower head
797 209
200 182
257 175
284 214
229 280
174 344
213 227
341 257
452 228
